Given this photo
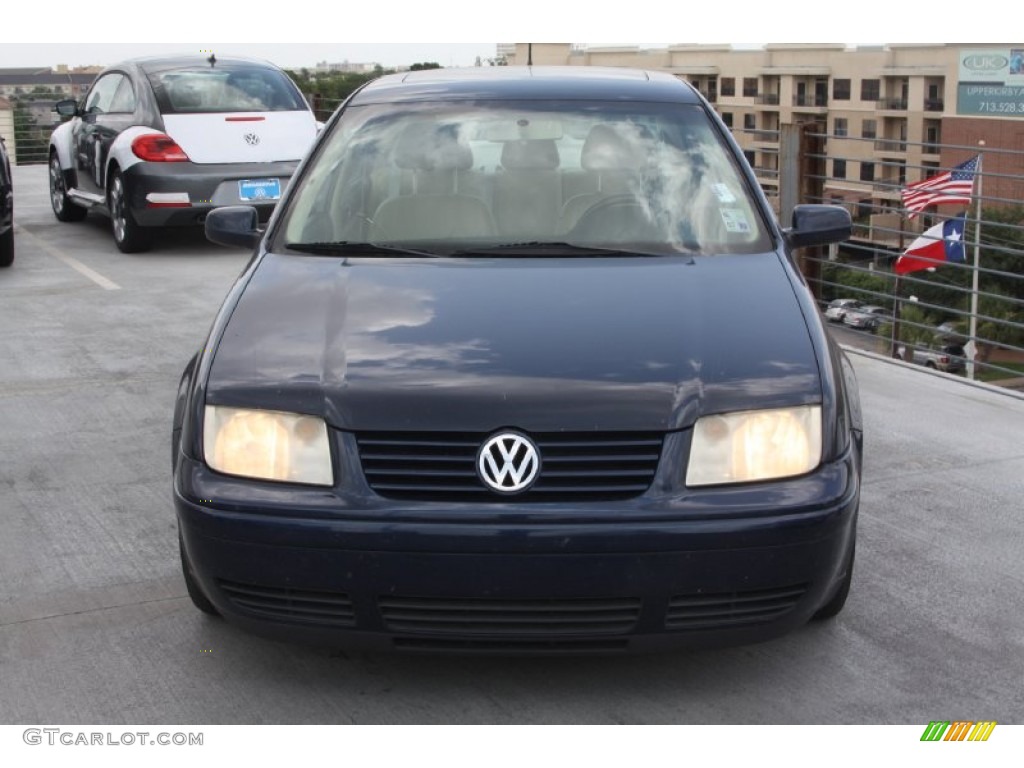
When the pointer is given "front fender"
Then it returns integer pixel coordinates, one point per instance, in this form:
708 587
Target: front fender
60 142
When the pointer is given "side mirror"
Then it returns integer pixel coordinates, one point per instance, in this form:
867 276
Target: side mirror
235 226
819 225
66 107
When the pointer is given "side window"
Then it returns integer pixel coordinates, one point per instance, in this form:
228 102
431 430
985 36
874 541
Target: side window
102 94
124 97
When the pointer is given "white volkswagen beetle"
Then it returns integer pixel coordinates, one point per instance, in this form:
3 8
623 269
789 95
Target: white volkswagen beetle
162 141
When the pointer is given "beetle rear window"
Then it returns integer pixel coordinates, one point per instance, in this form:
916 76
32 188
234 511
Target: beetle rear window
231 89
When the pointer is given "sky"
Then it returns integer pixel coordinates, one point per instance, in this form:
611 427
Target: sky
305 32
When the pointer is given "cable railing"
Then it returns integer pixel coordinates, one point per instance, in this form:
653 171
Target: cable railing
34 119
929 308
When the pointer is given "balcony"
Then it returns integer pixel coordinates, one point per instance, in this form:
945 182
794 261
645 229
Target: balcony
891 146
934 105
767 99
710 96
762 136
810 100
891 105
766 174
931 149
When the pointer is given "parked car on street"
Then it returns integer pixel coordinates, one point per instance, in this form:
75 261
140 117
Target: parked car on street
941 357
837 309
867 317
508 405
6 208
163 141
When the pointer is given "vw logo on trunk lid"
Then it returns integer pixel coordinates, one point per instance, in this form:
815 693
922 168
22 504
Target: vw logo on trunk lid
252 139
508 463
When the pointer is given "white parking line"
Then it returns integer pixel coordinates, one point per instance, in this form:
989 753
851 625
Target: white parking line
71 261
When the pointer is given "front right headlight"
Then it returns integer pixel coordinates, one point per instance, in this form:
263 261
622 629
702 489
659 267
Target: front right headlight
749 446
268 445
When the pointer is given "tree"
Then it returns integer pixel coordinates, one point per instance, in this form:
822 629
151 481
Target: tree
424 65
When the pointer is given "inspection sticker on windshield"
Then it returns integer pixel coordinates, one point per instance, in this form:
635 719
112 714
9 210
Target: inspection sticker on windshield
723 193
259 189
735 221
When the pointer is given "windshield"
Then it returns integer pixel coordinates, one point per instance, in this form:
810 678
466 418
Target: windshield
503 176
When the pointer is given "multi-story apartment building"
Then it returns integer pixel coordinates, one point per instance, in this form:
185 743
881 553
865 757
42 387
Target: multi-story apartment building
891 114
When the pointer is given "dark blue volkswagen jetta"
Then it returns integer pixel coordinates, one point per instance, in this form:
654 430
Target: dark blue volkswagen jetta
522 363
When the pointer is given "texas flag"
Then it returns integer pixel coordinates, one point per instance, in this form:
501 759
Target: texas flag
942 243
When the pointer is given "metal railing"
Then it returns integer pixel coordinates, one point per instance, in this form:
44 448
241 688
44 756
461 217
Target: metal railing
33 119
933 307
897 105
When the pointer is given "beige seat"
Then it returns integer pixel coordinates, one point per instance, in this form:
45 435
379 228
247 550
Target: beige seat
434 209
528 190
615 167
431 217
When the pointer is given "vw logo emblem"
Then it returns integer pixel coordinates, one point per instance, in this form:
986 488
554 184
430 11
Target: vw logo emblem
508 463
252 139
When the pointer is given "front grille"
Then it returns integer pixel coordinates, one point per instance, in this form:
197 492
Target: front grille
731 609
574 466
510 618
329 609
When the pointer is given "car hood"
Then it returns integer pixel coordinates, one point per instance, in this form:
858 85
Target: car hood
539 344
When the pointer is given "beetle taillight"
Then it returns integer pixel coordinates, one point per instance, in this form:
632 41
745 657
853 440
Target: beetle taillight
158 148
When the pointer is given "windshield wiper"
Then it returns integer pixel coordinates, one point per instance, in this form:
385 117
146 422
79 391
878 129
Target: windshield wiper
557 248
354 248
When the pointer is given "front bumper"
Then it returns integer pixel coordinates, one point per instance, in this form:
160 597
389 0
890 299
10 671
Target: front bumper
186 192
611 577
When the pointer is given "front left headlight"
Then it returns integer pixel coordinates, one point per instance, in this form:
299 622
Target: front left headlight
749 446
269 445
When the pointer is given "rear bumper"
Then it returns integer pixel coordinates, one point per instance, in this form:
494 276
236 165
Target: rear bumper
389 581
181 194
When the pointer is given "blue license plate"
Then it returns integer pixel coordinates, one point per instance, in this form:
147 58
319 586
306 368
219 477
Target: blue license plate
256 190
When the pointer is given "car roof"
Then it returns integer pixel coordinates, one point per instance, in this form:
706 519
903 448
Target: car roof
150 64
575 83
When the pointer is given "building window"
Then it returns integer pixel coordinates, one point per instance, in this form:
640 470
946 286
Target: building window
839 169
728 86
868 129
867 171
750 86
727 118
870 90
840 126
749 122
841 89
749 154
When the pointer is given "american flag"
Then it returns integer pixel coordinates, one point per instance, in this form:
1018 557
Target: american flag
955 186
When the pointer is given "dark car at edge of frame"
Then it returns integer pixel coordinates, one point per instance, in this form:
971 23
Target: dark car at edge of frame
487 383
6 208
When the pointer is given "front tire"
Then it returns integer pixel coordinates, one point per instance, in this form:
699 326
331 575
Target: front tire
195 592
128 236
7 248
63 208
835 605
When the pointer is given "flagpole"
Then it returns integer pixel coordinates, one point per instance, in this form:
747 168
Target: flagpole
973 329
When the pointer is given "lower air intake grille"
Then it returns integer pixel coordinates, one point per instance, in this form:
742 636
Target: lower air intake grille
731 609
574 647
509 618
574 466
331 609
